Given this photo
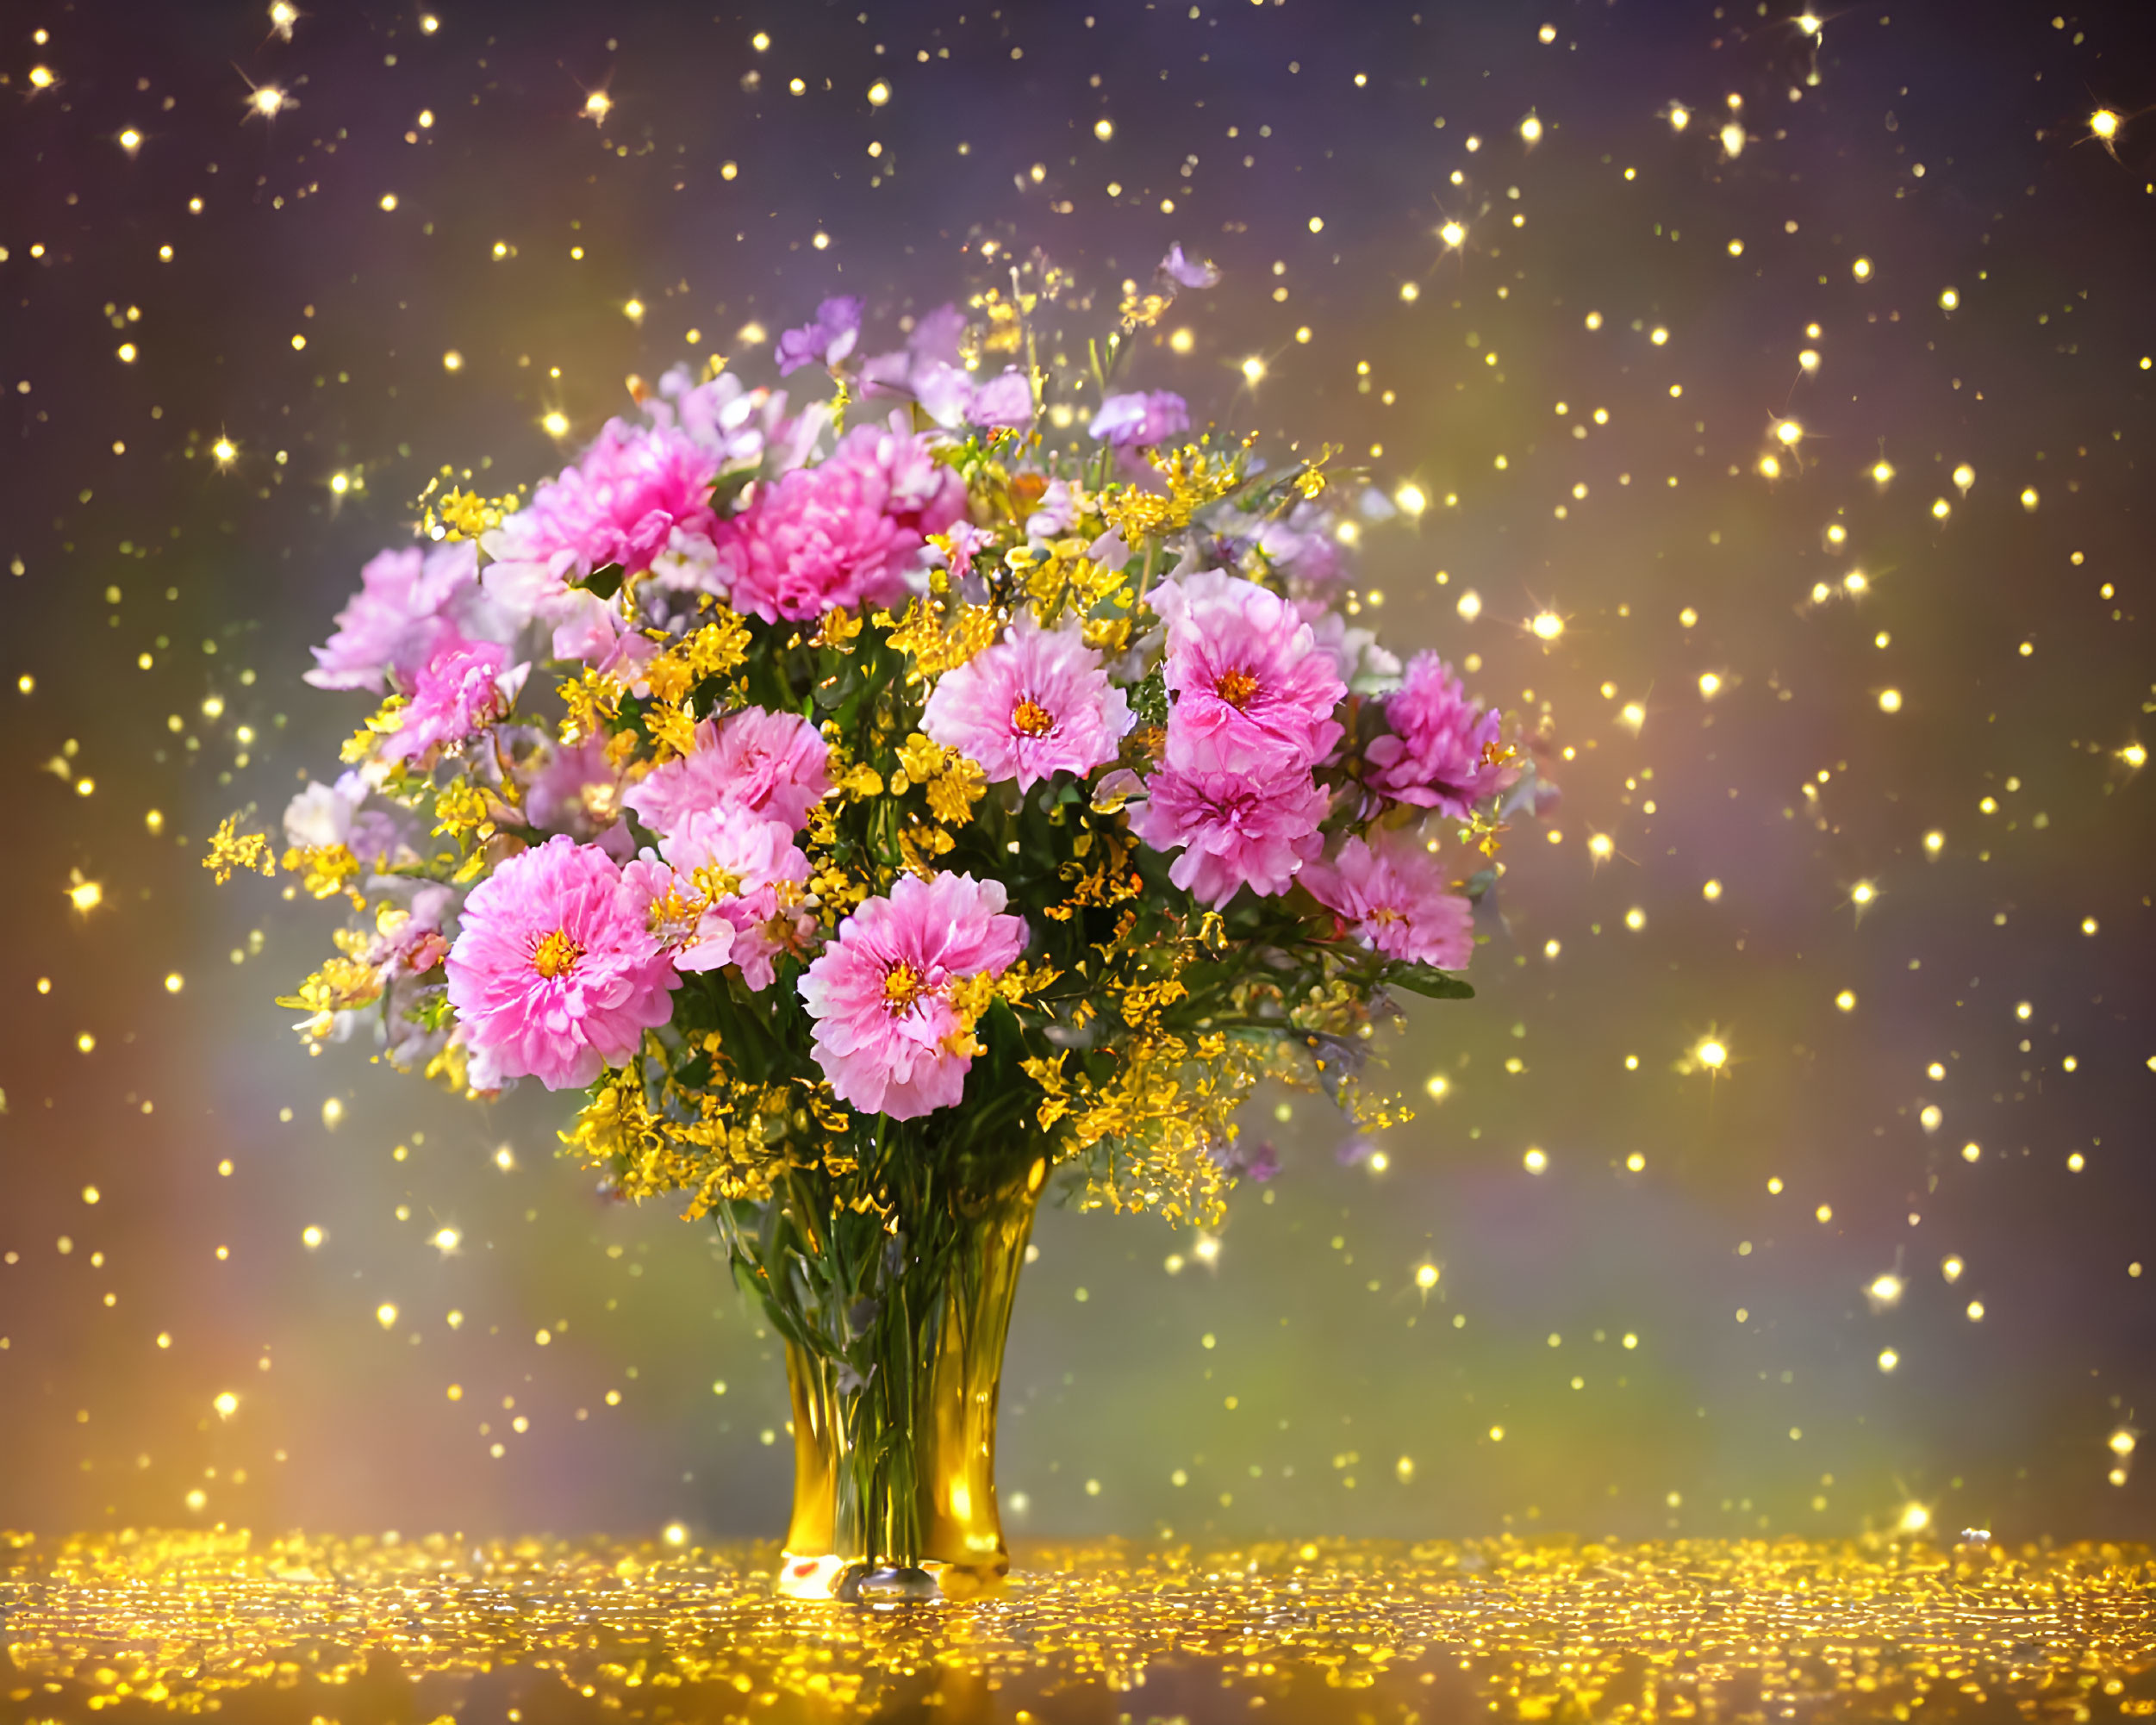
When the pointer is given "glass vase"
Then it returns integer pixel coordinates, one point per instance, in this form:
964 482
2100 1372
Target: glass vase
894 1481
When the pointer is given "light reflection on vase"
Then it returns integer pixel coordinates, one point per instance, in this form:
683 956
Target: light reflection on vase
910 1511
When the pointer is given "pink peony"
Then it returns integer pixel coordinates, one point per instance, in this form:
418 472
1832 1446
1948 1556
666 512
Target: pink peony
1391 895
1033 705
458 692
842 535
770 764
1435 758
1250 677
886 1035
622 503
554 973
746 873
1253 827
408 604
1153 416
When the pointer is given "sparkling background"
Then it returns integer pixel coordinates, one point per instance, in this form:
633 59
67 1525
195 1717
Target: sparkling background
1675 1323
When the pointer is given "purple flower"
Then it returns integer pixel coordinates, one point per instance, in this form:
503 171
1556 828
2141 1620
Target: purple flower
1006 400
323 815
572 788
1131 420
724 416
826 340
1184 273
1259 1161
1438 754
938 334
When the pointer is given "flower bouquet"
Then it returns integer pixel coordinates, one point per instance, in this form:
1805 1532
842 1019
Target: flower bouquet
878 822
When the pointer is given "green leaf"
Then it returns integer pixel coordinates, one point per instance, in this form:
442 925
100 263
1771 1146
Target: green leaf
605 580
1426 979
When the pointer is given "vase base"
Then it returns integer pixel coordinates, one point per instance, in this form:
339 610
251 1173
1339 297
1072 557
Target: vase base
828 1578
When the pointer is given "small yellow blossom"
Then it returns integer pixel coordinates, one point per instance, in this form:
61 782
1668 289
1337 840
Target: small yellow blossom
231 848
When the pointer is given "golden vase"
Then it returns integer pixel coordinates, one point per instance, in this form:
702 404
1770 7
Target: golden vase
895 1482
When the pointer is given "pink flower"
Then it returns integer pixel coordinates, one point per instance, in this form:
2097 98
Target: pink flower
770 764
1033 705
459 692
1253 827
1391 895
744 873
886 1035
842 535
621 503
554 973
1128 421
1249 678
408 604
1435 758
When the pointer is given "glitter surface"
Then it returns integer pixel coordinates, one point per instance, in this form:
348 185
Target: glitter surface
541 1629
1776 416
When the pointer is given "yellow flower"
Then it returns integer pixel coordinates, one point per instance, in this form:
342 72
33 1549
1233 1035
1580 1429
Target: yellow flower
939 637
954 791
465 515
326 868
592 698
231 848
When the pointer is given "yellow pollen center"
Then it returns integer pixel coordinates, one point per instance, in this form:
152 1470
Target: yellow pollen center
716 883
902 987
556 956
1029 718
1236 688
